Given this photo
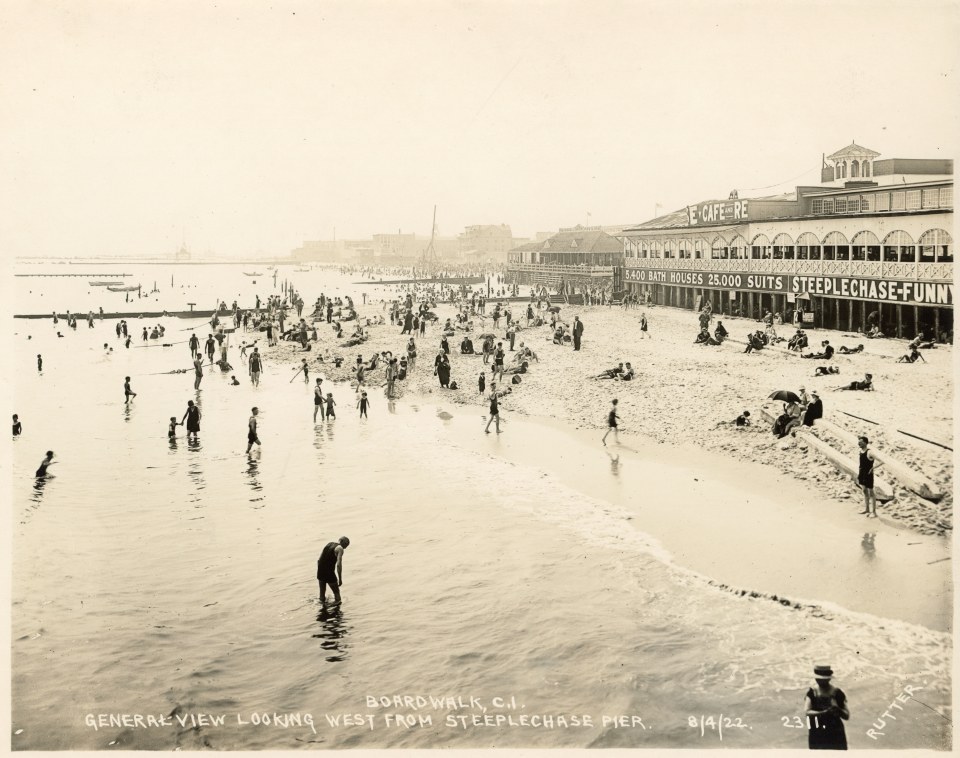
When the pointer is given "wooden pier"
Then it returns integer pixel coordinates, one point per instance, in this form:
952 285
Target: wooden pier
83 276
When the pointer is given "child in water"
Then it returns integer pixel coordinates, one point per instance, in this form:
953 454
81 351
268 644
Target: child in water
362 404
172 430
330 403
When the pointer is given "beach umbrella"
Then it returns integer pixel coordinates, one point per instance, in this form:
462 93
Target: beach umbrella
786 396
487 334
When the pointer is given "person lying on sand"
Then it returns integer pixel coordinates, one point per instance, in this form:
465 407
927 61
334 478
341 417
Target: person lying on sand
844 350
824 370
628 373
866 384
826 353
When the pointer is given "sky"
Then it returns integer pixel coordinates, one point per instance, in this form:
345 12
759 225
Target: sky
245 128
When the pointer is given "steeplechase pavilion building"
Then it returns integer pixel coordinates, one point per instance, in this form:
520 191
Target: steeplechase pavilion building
874 236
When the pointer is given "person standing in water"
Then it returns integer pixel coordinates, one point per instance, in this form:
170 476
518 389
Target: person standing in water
127 392
494 409
46 463
39 362
194 345
255 367
318 400
330 568
331 414
17 427
197 371
362 404
192 417
252 429
612 419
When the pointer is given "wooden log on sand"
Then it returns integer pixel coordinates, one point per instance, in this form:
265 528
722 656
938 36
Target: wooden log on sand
881 489
913 480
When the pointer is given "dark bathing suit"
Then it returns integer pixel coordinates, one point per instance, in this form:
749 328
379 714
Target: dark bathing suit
865 478
327 564
612 420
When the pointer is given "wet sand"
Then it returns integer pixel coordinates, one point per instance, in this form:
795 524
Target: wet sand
690 394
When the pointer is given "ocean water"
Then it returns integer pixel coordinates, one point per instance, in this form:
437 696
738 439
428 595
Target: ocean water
176 581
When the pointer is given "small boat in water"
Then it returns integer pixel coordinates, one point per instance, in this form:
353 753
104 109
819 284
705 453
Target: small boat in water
125 288
103 284
255 273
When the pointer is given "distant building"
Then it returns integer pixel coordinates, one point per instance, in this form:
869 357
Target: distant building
182 254
395 245
575 257
486 242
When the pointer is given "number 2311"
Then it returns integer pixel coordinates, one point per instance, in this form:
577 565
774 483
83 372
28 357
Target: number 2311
800 723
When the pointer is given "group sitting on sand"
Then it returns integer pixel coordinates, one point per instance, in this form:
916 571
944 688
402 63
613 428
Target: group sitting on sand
704 338
618 372
798 341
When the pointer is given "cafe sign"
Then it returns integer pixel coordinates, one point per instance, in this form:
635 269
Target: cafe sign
718 213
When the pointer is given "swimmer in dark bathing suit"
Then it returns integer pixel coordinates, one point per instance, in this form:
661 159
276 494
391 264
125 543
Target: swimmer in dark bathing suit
45 464
330 568
252 429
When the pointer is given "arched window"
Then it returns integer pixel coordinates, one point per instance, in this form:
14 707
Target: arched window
854 169
719 248
760 247
738 247
866 246
866 168
899 246
808 247
783 247
936 245
836 247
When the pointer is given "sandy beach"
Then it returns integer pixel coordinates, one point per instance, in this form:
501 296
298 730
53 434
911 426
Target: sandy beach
690 394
